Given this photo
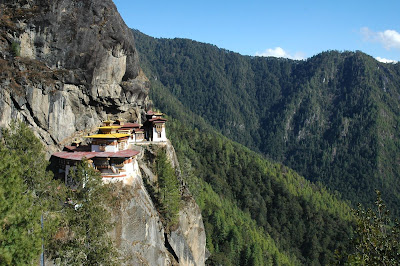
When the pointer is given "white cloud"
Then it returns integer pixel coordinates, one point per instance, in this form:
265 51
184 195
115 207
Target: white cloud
279 52
389 38
384 60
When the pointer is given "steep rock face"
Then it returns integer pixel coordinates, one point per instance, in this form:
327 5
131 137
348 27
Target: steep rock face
138 231
65 64
140 235
187 240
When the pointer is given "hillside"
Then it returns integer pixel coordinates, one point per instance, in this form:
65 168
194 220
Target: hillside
333 118
237 188
67 65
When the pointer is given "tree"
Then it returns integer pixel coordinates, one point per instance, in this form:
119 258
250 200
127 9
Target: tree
82 238
168 193
378 241
20 232
20 139
28 194
45 192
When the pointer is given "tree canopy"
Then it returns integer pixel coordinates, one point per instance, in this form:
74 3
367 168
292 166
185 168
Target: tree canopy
377 240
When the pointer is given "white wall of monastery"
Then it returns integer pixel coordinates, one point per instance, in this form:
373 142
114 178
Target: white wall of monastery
163 135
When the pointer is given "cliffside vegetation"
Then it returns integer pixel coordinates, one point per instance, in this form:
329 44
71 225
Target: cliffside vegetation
333 118
20 232
81 238
27 194
168 193
75 222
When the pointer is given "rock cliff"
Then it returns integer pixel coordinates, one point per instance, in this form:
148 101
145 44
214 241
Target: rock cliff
139 231
187 239
65 65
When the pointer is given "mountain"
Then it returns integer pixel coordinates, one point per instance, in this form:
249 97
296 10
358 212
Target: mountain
333 117
66 65
256 212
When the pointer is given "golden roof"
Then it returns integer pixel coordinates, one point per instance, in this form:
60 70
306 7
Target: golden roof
109 127
108 136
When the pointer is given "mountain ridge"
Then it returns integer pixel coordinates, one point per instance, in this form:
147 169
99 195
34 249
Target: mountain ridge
331 117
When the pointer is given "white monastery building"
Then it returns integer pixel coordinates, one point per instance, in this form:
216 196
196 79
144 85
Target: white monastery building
111 150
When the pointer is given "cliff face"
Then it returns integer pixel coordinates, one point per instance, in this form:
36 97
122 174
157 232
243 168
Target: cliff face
139 232
64 64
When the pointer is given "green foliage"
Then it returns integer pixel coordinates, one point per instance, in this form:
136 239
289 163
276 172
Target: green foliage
378 238
333 118
233 238
26 183
71 236
16 49
302 219
168 189
20 233
82 238
19 139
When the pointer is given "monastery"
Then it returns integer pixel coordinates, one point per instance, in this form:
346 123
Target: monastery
111 150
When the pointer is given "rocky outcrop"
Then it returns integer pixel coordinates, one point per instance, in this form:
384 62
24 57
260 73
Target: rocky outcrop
65 64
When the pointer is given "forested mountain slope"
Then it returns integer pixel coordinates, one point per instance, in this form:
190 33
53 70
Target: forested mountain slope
257 212
333 118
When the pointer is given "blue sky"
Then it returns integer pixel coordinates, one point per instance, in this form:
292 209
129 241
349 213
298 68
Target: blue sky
294 29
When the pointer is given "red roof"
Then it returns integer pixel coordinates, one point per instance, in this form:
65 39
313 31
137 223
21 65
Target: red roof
157 119
78 156
129 125
118 154
69 148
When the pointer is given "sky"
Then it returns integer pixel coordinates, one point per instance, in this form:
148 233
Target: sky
292 29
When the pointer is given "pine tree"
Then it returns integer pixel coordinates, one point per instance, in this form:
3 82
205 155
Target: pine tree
20 232
46 193
20 139
28 194
168 194
83 238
